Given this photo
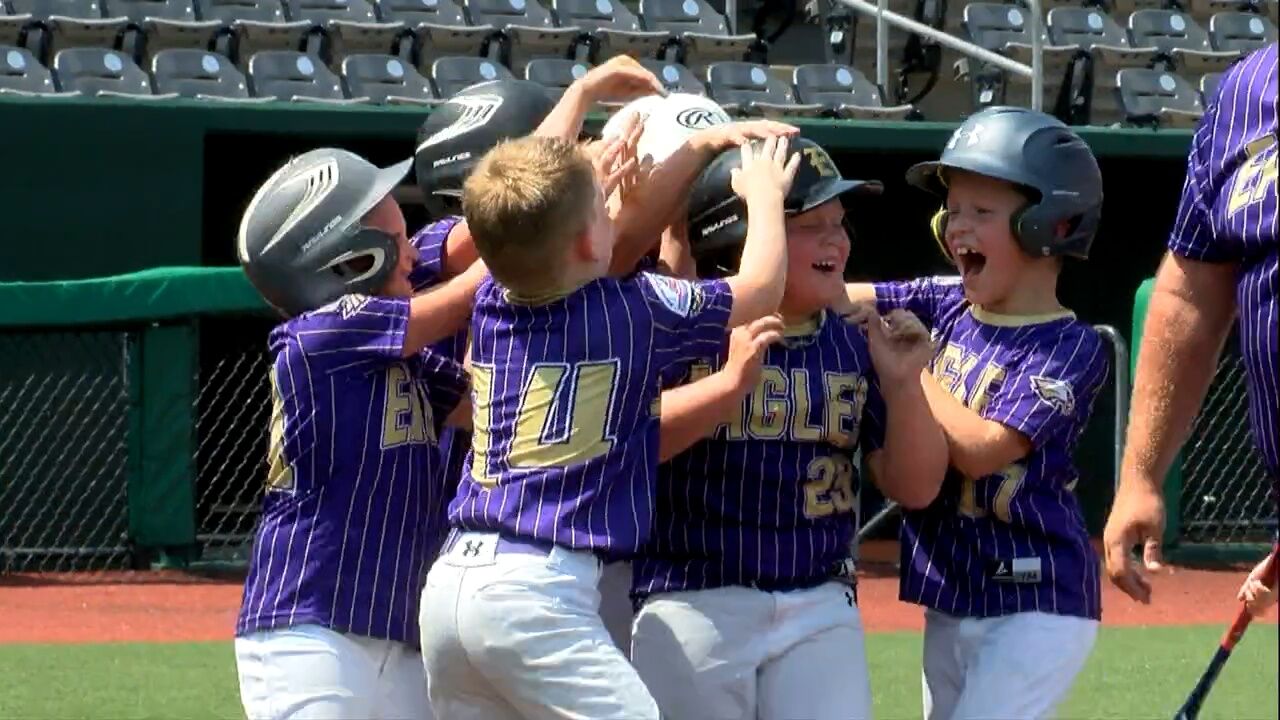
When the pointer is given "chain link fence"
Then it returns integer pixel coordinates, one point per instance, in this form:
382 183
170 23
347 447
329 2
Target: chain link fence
64 428
1225 489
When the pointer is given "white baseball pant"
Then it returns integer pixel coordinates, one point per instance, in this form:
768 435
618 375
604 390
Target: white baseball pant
1015 666
309 672
513 633
735 652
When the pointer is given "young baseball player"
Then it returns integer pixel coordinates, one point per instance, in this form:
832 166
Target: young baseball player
328 622
748 605
566 369
1001 559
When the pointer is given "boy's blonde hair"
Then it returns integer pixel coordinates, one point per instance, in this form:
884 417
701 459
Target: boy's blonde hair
525 202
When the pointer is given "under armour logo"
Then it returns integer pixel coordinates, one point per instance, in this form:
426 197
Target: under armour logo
471 548
971 136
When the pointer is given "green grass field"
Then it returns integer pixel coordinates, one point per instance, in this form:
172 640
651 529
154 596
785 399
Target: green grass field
1134 673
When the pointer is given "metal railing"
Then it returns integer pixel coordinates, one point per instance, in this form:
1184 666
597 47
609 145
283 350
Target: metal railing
886 17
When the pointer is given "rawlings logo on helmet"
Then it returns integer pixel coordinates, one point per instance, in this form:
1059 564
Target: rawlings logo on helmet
700 118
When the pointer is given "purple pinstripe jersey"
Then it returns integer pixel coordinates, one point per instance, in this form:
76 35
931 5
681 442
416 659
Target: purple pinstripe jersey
431 243
1013 541
564 393
343 540
1228 214
770 498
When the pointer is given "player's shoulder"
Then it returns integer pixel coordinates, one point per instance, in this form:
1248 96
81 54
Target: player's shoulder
1248 78
1071 345
667 294
335 314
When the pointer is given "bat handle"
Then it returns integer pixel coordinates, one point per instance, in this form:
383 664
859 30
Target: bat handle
1244 617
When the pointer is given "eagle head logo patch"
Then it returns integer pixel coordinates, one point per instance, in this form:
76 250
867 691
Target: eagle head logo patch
1056 393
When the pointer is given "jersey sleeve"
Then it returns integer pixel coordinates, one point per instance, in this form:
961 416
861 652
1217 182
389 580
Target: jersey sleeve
1192 236
925 297
444 382
356 332
432 243
689 318
871 429
1050 392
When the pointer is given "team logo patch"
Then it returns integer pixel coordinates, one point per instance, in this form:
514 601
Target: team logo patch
1056 393
699 118
821 162
474 111
679 296
350 305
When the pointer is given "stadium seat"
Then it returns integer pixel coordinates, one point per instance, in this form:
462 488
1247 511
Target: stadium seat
257 25
1175 35
527 24
844 92
68 23
1202 10
386 80
167 23
750 89
100 72
555 74
675 77
613 29
1158 97
1124 8
1240 32
1096 33
452 74
1006 29
294 76
703 32
351 25
1093 31
22 74
440 27
1209 87
198 74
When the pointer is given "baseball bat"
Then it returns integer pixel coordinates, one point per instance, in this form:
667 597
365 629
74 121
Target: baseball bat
1191 708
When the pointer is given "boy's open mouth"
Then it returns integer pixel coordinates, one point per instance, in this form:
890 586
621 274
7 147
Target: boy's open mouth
825 266
970 261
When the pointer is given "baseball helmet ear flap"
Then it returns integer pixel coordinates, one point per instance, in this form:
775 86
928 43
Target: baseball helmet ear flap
938 224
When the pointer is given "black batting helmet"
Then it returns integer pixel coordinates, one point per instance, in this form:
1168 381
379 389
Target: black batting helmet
301 241
460 131
1041 155
718 217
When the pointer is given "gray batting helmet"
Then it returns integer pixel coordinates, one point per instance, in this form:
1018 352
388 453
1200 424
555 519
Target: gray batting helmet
302 231
1037 152
718 217
461 130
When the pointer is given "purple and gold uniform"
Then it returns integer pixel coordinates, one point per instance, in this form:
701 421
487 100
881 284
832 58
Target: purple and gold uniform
345 534
769 500
431 243
564 393
1228 214
1013 541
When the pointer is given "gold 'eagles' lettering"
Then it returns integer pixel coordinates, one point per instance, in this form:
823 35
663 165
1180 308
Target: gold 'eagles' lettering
1256 177
779 407
279 469
406 417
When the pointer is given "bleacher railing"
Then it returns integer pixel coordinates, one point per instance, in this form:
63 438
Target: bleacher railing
886 17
